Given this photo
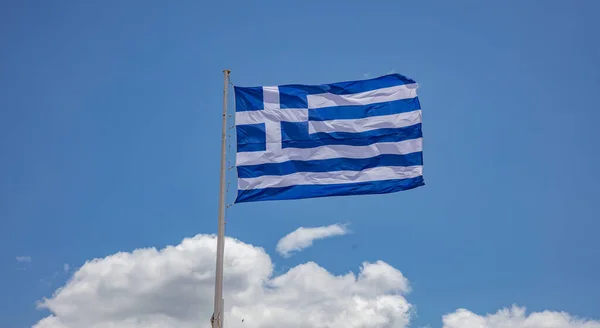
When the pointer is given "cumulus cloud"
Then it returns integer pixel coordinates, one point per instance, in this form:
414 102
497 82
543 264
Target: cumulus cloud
24 259
515 317
302 238
174 287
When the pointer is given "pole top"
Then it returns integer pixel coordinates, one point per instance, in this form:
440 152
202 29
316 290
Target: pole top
226 71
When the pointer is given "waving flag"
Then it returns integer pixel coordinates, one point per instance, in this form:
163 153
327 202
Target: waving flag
347 138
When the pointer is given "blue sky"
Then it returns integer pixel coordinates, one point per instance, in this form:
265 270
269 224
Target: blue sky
110 141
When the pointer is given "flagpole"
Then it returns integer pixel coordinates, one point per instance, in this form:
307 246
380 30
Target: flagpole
218 313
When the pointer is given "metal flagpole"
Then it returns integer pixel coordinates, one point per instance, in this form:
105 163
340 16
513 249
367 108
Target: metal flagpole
218 315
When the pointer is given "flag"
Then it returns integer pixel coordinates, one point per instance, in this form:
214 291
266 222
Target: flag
347 138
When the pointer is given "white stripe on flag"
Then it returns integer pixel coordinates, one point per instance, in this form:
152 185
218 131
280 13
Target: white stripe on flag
405 91
271 97
366 124
334 177
274 115
331 151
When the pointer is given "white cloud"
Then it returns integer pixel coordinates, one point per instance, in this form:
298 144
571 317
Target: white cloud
302 238
66 267
515 317
174 287
24 259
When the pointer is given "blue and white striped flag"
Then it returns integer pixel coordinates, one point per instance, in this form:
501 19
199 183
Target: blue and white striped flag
346 138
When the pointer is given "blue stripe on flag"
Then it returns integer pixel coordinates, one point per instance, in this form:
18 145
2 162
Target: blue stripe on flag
294 135
292 97
350 87
386 81
329 165
251 137
362 111
313 191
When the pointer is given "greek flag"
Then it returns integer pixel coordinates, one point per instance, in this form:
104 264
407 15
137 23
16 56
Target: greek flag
346 138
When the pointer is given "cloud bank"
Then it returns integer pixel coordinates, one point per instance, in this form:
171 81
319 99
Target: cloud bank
515 317
302 238
174 287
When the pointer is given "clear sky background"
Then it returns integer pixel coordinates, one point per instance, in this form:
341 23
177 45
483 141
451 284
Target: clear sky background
110 139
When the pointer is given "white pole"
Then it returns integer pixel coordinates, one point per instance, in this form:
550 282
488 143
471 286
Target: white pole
218 316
